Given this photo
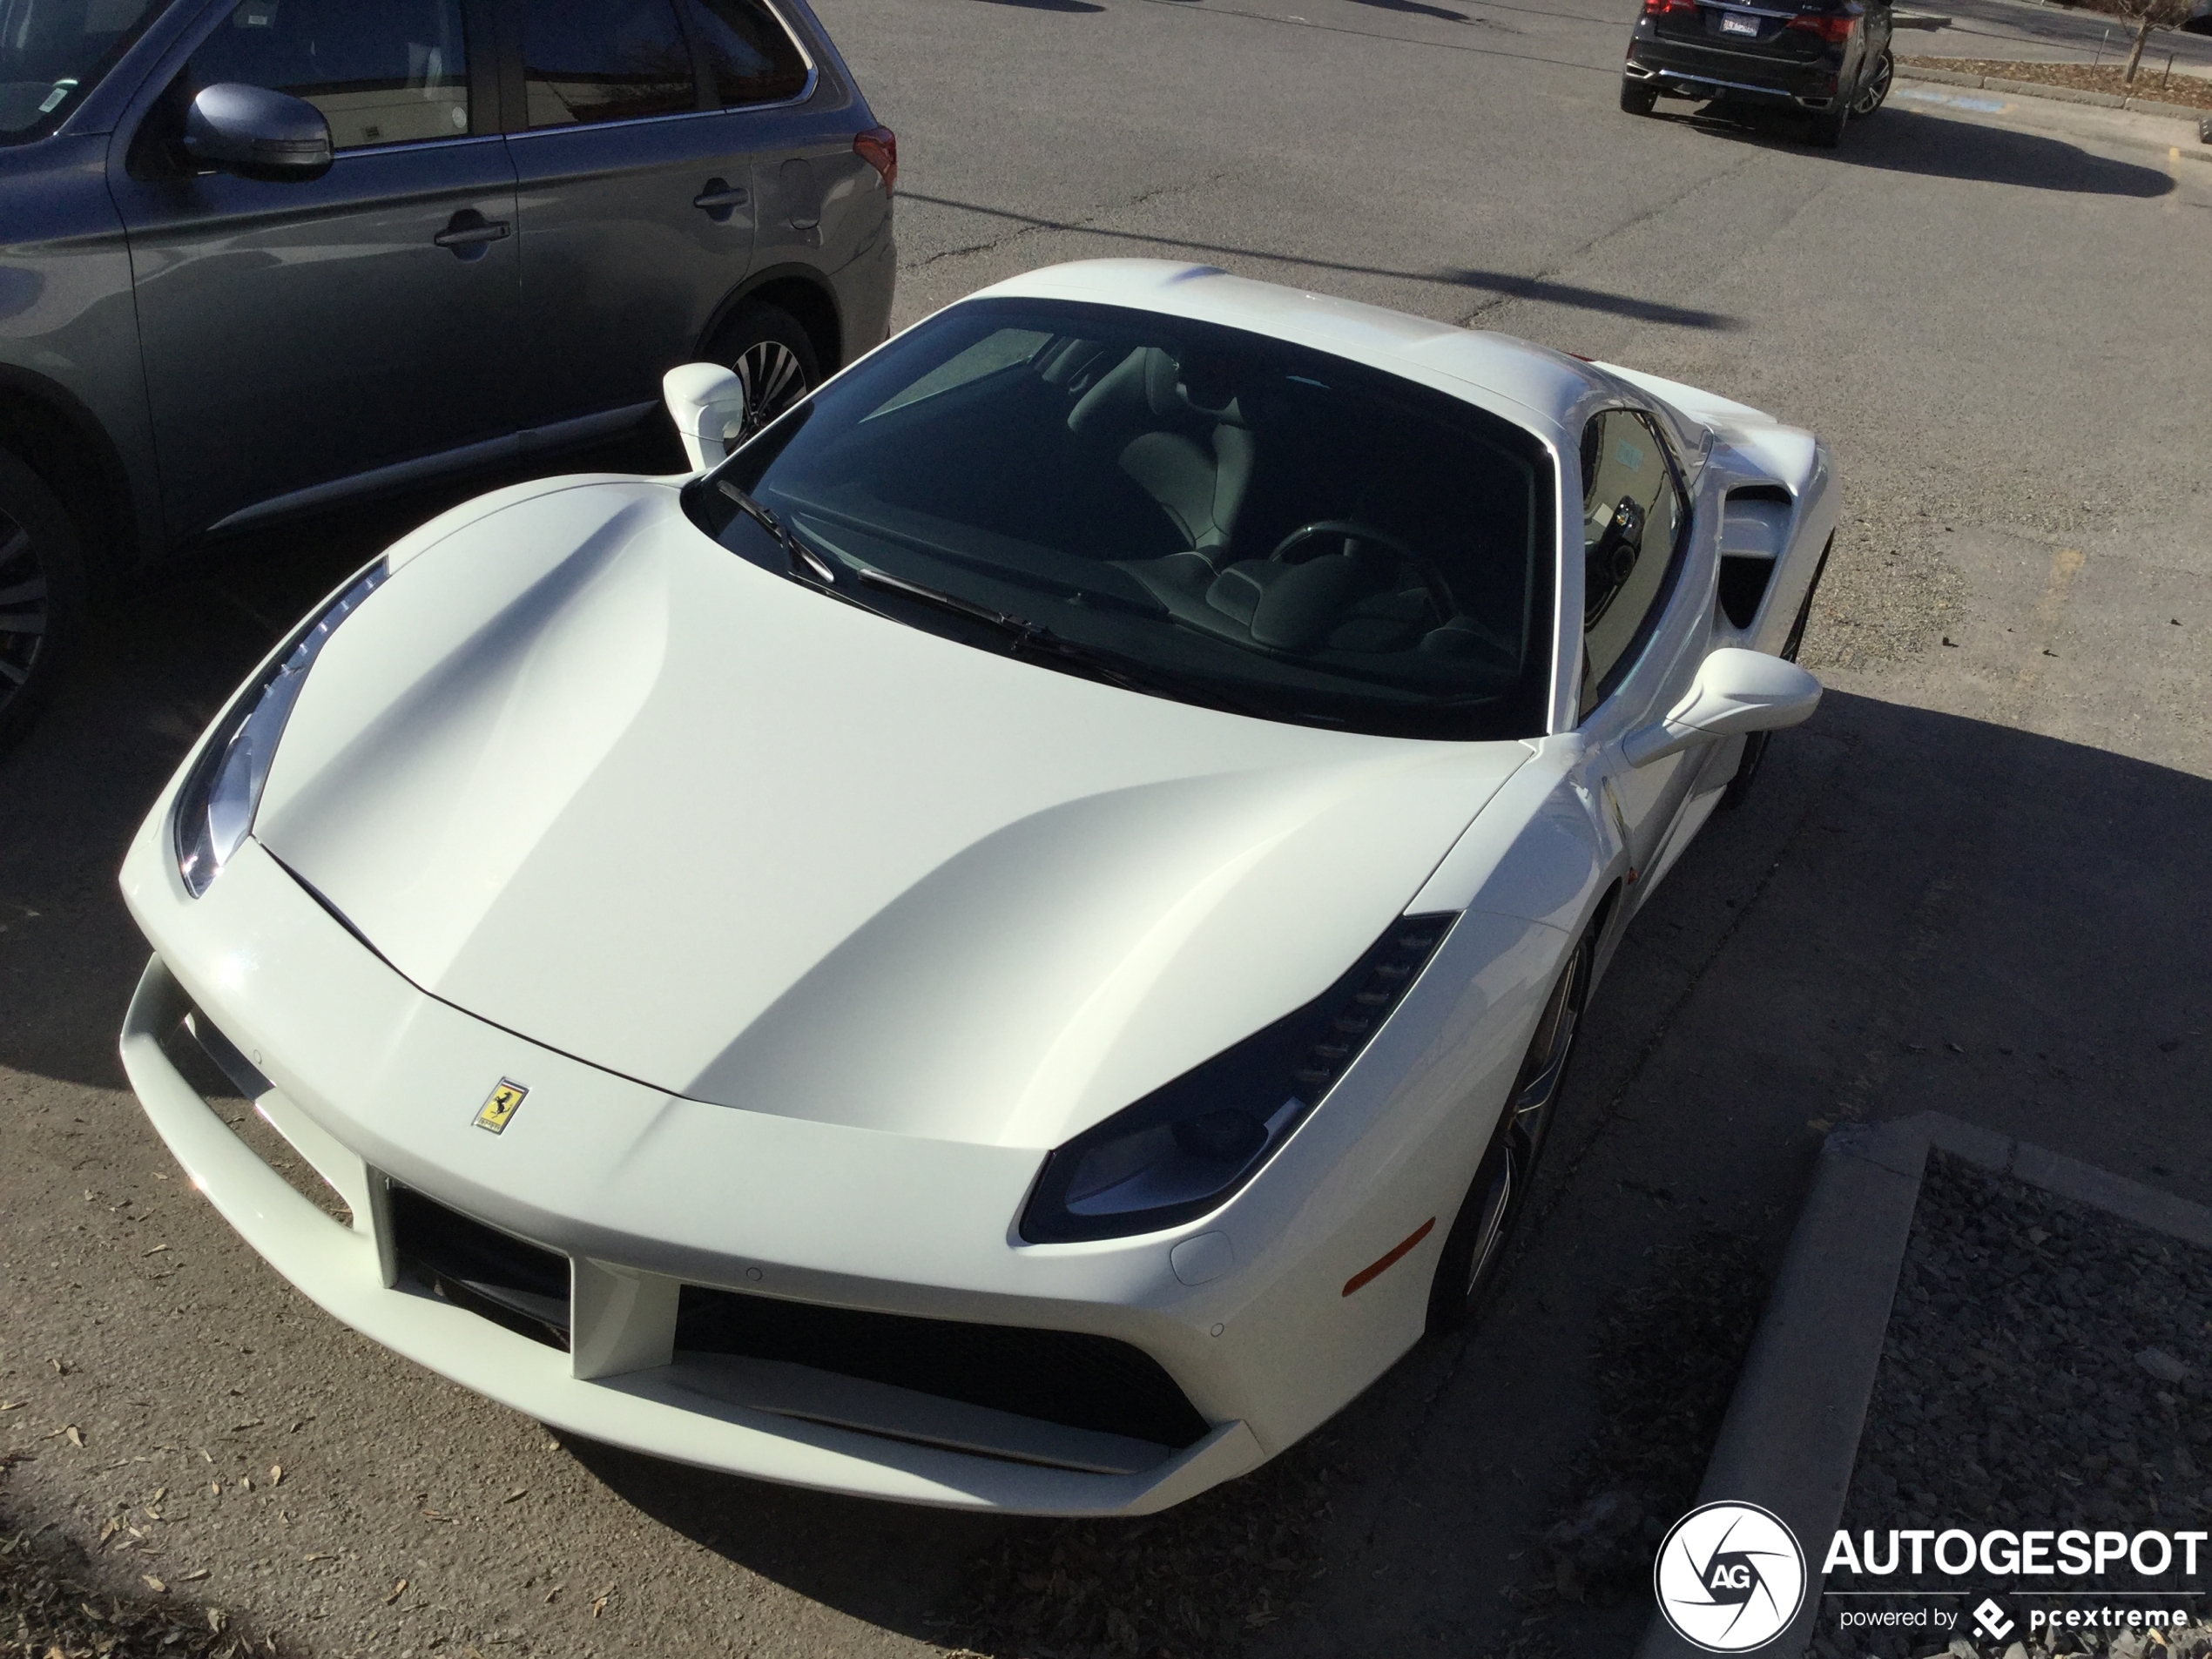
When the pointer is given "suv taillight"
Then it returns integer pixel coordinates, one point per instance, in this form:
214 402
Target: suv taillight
1834 27
878 147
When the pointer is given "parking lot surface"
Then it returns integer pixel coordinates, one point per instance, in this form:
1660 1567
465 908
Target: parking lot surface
1974 882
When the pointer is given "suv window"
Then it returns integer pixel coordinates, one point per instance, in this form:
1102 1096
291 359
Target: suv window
1633 520
749 57
54 51
387 74
587 60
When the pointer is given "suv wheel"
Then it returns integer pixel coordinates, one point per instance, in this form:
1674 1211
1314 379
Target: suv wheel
772 357
1875 91
42 595
1637 97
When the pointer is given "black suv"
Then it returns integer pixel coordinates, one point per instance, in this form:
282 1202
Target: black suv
1827 58
259 257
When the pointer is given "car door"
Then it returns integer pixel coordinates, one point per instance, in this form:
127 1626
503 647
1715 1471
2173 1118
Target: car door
1643 637
637 153
296 334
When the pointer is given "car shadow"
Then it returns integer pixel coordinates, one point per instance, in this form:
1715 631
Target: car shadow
1505 285
1049 5
2014 924
1415 8
1901 139
891 1565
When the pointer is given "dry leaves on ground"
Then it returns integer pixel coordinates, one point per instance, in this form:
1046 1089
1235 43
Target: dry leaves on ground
2151 80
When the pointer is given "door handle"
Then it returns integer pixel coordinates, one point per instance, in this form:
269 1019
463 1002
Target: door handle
467 232
720 197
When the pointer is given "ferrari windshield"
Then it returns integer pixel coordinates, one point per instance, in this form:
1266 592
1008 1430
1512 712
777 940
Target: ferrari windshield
1187 509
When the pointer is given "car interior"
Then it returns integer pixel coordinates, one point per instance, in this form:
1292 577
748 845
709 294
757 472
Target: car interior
49 47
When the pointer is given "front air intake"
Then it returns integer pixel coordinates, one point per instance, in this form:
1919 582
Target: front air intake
1070 1378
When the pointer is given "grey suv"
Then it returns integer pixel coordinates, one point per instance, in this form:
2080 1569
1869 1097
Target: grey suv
263 256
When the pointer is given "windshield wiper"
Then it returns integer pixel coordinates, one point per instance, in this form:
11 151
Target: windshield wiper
802 558
1030 637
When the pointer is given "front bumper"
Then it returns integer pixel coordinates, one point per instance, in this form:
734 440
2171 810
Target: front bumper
619 1382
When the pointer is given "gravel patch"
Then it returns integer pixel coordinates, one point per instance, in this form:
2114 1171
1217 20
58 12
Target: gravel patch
51 1609
2046 1366
2151 80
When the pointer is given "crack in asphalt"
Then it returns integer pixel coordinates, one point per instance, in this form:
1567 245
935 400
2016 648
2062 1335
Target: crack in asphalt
1544 278
1031 225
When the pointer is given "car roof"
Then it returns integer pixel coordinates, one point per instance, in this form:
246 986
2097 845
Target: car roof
1528 384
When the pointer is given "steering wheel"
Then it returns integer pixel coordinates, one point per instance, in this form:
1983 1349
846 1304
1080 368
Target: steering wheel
1350 530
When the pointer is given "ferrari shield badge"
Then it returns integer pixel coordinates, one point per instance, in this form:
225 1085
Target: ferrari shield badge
499 1111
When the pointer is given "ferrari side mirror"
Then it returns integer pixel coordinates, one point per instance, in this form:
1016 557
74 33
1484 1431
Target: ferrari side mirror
1735 692
707 403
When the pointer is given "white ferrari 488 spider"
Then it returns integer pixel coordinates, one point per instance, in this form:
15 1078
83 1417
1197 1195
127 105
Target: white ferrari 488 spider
1013 943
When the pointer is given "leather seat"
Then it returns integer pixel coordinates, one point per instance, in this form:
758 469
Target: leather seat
1193 460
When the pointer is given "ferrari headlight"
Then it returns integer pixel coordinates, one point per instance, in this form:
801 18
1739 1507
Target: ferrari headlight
216 808
1186 1146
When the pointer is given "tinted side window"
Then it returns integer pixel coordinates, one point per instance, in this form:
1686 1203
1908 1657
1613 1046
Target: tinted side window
53 53
590 61
387 74
1633 520
749 57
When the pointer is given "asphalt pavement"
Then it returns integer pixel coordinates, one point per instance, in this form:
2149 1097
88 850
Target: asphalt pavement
1974 882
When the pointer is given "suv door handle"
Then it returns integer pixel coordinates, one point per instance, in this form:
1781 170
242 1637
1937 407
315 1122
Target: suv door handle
467 233
719 197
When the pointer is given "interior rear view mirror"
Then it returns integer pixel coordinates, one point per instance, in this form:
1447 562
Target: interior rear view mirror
1735 692
256 133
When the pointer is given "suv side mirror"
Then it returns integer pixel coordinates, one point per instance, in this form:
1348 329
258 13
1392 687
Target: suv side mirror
707 403
256 133
1735 692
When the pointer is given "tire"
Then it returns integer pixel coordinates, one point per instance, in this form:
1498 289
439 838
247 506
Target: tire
774 358
41 596
1876 91
1637 98
1747 768
1474 1251
1827 129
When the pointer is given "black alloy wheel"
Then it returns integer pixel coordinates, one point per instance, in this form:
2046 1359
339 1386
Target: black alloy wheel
1637 97
1875 91
42 595
773 359
1754 756
1474 1250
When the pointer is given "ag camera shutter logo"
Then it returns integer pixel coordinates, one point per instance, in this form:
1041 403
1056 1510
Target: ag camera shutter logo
1729 1577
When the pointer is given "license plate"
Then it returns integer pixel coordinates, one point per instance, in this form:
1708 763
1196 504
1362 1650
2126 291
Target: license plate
1731 23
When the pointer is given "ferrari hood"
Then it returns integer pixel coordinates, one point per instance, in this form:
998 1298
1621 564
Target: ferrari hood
580 771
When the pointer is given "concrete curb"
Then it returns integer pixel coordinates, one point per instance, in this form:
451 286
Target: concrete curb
1790 1438
2061 94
